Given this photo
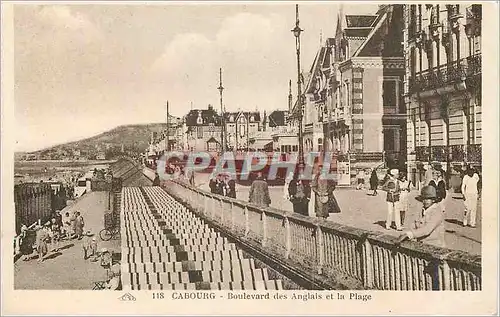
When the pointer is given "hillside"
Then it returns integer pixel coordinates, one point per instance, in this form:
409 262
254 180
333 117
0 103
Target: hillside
132 137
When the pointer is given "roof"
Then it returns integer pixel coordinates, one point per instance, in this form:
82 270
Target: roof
357 32
354 21
212 140
321 61
386 36
208 116
277 118
246 114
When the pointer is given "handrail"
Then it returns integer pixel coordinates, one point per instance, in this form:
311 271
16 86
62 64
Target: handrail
371 258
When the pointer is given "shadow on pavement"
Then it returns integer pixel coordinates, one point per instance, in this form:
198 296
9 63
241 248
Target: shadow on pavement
67 246
455 221
53 256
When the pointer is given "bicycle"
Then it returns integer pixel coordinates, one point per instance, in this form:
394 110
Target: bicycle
107 234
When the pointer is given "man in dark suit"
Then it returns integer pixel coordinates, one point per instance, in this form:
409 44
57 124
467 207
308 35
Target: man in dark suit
300 194
259 192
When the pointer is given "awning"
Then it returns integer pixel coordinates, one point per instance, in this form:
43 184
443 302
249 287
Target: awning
261 144
365 165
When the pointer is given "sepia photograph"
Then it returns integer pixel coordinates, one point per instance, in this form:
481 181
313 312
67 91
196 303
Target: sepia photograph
190 148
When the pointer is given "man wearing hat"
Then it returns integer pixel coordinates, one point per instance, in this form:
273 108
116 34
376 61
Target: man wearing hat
430 227
391 186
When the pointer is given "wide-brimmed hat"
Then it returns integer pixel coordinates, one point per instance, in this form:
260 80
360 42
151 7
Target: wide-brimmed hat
427 192
394 171
104 250
89 233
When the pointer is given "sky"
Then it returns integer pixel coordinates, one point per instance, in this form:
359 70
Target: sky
84 69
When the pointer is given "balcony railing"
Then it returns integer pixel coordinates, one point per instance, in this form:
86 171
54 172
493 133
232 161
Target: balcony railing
336 252
457 153
447 74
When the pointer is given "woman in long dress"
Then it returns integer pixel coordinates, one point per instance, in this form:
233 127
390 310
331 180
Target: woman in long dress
79 224
405 187
42 238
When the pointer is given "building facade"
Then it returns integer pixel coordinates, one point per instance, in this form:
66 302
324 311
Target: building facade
354 95
203 129
443 91
240 127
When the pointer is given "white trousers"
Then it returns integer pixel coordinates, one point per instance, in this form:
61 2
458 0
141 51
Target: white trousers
470 209
393 210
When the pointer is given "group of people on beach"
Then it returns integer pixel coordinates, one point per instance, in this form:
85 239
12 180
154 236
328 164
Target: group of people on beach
49 235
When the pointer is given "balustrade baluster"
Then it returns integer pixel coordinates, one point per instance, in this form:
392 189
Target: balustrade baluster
264 229
288 238
212 212
222 205
247 222
231 210
446 280
368 264
320 253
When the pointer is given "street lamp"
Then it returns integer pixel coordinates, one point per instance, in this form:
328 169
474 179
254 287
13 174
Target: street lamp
296 32
223 137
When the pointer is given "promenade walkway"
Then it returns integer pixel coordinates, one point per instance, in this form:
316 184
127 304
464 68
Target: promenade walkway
361 210
67 270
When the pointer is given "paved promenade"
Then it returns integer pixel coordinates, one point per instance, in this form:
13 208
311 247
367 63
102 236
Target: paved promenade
361 210
66 269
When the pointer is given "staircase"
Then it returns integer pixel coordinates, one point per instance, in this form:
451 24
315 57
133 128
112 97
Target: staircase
164 246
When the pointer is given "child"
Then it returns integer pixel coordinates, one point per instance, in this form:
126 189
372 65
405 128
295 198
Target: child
87 245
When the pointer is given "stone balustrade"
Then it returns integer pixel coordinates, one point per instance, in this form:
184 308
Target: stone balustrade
335 251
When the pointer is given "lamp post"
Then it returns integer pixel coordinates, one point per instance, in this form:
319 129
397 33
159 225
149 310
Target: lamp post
220 88
296 32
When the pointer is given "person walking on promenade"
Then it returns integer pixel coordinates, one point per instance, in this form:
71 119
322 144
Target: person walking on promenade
156 181
429 228
67 228
73 223
221 186
405 186
325 201
470 193
42 238
391 186
55 230
213 185
25 245
374 182
259 192
79 225
361 179
231 187
300 194
288 179
429 174
438 183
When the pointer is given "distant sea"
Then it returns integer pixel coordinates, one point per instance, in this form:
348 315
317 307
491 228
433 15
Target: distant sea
48 168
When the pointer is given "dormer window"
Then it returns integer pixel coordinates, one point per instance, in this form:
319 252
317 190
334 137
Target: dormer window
252 118
231 119
200 119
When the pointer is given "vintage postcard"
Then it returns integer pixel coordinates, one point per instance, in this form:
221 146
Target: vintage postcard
284 158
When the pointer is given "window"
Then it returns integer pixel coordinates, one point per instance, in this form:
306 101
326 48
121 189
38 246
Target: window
413 21
390 96
200 132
